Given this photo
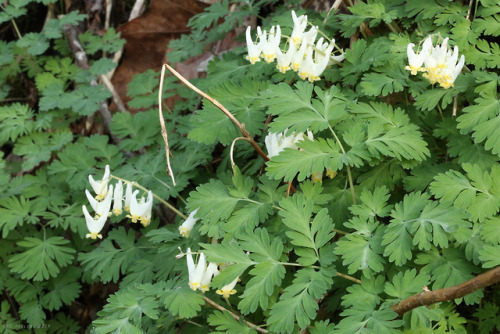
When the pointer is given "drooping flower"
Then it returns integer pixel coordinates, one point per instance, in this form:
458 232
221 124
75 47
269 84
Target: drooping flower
228 290
141 211
195 272
254 48
284 59
312 69
277 142
416 61
317 177
101 207
94 225
101 187
440 64
210 272
331 173
271 44
299 26
118 198
187 226
128 197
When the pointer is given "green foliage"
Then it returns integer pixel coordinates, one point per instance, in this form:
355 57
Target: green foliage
404 193
42 259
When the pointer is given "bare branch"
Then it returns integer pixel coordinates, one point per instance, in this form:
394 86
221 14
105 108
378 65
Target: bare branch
83 62
223 109
163 128
431 297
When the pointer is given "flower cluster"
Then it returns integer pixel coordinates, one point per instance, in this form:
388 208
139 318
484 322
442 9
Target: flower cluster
101 204
200 275
304 56
438 64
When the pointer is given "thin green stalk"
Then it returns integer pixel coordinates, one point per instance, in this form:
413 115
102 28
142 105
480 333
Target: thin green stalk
19 36
349 175
168 205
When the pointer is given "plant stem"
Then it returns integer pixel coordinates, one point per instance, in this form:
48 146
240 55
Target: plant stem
349 176
168 205
350 278
234 315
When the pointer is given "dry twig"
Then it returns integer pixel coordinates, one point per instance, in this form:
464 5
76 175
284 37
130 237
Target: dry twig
431 297
241 126
83 62
163 127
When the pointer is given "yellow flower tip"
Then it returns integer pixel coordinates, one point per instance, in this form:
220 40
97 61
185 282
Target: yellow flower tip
317 177
117 212
93 235
295 67
194 285
252 60
313 78
226 293
100 197
296 41
269 57
204 288
184 232
127 208
330 173
134 218
282 69
304 75
145 222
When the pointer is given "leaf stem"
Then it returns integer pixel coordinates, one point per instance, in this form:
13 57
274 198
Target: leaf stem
350 278
234 315
349 175
168 205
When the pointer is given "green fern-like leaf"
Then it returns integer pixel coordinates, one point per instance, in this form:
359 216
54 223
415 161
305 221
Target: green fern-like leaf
43 259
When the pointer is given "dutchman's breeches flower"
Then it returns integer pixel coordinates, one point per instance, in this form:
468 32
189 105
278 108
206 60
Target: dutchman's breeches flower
141 211
440 64
101 187
101 207
94 225
254 48
299 26
271 45
195 272
187 226
277 142
228 290
118 198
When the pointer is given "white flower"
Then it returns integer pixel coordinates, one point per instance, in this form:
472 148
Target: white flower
310 36
118 198
101 208
211 271
284 59
101 187
417 60
254 48
277 142
311 69
299 26
195 272
298 57
188 224
94 225
228 289
128 197
271 44
141 211
441 65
